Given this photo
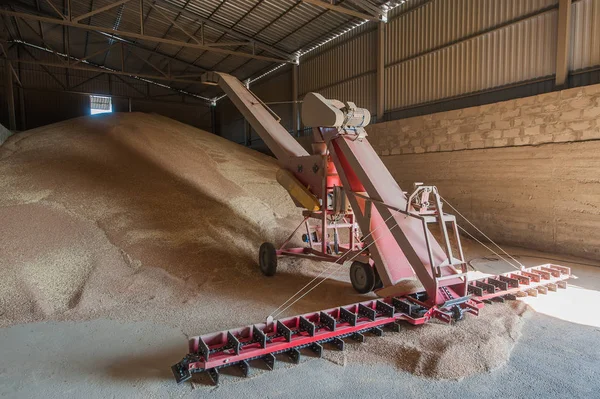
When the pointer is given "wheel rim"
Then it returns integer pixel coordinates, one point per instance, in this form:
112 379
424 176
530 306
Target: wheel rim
360 277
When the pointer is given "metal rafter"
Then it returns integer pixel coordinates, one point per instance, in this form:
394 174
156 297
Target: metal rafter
41 38
60 14
370 7
37 62
100 10
169 30
87 34
236 24
138 36
157 53
280 40
225 29
202 29
343 10
283 14
86 66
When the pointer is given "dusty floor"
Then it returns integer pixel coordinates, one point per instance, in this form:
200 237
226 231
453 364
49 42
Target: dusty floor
103 358
122 236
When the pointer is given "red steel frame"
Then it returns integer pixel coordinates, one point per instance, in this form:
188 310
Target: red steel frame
344 158
237 347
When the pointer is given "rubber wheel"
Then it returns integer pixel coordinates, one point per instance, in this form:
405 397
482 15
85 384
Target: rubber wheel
378 283
267 259
362 277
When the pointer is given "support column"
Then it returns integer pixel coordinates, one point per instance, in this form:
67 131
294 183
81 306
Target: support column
22 109
380 71
10 96
247 133
213 118
295 115
563 42
129 104
247 127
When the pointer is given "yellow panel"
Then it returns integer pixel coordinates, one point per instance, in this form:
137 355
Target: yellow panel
297 190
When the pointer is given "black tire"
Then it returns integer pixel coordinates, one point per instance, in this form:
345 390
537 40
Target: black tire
362 277
378 283
267 259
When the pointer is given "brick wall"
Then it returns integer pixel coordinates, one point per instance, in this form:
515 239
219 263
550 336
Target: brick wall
562 116
525 171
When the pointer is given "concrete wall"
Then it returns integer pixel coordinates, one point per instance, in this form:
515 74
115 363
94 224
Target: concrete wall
525 171
561 116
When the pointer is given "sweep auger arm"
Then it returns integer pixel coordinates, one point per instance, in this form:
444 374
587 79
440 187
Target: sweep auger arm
345 185
238 347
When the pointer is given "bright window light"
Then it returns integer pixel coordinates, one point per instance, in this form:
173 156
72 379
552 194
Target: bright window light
100 105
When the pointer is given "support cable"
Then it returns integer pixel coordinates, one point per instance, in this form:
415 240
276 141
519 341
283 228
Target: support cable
328 268
330 274
481 232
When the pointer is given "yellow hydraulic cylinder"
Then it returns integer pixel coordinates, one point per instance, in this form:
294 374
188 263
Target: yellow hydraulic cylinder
297 190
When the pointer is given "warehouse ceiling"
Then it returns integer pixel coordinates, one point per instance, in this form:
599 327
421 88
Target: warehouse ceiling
174 41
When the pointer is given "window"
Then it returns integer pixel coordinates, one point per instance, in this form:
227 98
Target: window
100 105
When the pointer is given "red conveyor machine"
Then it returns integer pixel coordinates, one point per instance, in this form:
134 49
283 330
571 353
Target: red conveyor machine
355 215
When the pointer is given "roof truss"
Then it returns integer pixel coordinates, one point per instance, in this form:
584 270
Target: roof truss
163 9
370 11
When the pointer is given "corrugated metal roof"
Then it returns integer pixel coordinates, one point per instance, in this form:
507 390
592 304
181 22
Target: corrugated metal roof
287 26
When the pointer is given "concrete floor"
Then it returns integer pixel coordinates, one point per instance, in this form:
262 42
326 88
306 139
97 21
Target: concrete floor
554 358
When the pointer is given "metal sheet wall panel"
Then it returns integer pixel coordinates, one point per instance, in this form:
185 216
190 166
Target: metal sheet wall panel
518 52
361 91
585 35
346 61
440 22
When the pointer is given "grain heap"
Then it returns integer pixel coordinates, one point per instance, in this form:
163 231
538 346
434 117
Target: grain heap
138 217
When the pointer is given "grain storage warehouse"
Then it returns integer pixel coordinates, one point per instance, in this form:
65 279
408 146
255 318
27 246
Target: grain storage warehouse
273 198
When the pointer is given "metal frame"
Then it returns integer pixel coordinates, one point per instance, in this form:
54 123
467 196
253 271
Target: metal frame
72 63
48 15
342 157
237 347
563 40
139 36
372 13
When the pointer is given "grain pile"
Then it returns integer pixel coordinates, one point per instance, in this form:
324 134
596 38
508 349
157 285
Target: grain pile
436 350
137 217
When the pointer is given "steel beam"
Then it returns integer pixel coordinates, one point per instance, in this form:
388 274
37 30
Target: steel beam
563 40
36 62
99 10
38 11
295 113
153 52
222 28
60 14
138 36
342 10
102 51
22 112
368 6
380 71
82 92
10 95
174 23
103 70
